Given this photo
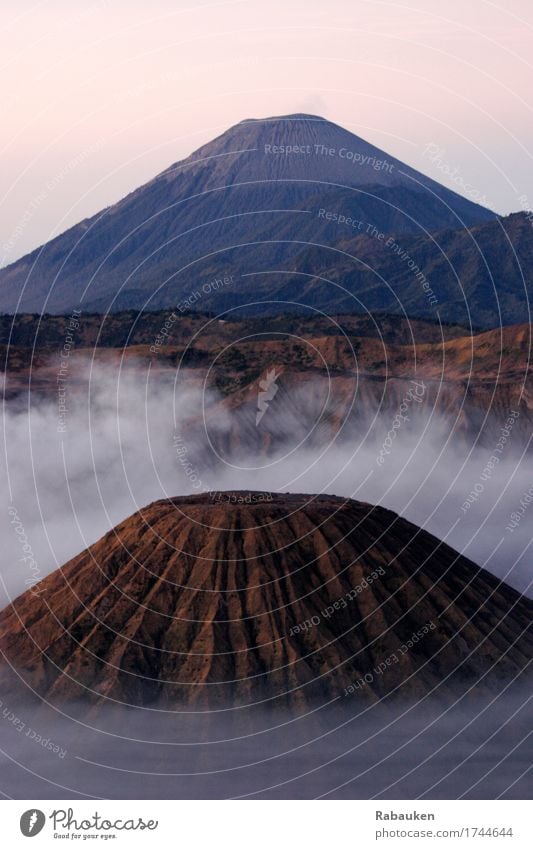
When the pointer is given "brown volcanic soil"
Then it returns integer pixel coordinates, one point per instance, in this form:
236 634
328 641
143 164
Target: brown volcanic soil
200 600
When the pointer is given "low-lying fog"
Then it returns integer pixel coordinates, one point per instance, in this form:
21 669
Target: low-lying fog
63 490
470 749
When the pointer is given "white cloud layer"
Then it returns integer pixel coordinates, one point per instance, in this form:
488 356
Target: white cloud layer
120 452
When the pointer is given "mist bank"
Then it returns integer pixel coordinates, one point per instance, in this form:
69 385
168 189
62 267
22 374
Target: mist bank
125 439
472 748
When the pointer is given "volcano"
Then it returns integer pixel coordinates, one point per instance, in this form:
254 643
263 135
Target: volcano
237 598
252 199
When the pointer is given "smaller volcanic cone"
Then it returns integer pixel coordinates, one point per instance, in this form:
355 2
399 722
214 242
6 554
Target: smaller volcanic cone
235 598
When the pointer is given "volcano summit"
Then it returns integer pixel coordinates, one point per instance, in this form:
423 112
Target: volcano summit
254 198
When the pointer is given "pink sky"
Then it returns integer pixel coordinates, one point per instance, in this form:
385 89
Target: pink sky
100 95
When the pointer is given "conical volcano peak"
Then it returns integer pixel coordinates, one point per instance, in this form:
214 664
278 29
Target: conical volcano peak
235 598
287 137
294 116
307 153
252 196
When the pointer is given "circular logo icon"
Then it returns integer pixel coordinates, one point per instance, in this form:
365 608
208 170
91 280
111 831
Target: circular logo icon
32 822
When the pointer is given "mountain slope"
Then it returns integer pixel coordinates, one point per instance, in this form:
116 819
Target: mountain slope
482 275
239 203
232 598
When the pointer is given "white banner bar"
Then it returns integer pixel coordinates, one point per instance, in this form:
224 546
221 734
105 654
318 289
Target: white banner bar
267 824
